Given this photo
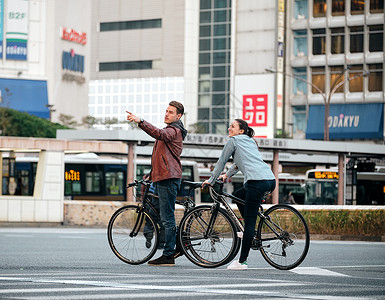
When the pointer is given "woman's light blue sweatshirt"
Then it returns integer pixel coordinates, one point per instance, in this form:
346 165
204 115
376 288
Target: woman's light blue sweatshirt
246 158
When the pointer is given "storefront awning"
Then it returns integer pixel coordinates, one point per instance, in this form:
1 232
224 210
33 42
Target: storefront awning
25 95
347 121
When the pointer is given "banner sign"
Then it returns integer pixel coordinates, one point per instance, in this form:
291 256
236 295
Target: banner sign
1 27
17 29
255 109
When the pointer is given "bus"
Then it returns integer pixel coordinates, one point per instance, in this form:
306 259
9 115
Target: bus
321 187
88 176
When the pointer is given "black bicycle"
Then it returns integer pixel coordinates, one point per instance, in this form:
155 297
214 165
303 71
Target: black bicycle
210 235
134 230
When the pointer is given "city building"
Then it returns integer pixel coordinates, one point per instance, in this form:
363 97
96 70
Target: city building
338 46
44 57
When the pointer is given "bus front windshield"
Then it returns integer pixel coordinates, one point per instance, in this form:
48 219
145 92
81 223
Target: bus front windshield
321 192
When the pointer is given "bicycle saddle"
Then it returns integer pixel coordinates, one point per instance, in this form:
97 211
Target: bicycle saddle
193 185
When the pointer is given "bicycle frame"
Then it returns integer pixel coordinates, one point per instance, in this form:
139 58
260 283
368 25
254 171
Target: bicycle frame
220 198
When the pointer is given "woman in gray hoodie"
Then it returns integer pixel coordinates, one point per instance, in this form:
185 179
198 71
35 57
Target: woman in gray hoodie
258 179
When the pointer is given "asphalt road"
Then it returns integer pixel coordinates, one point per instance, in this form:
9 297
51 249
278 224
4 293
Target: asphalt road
70 263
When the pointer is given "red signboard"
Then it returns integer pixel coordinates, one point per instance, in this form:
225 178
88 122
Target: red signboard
255 110
73 35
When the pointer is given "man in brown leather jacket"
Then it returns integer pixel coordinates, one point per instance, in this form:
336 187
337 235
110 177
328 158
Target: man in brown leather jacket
166 173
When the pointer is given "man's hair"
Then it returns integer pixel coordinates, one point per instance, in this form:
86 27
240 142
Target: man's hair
179 107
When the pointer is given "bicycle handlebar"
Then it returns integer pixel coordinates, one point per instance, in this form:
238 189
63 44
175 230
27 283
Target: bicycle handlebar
137 182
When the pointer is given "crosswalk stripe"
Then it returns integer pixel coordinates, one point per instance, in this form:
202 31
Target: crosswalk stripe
316 271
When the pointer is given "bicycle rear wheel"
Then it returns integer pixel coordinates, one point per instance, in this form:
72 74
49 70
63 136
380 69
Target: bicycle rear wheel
132 235
284 236
216 248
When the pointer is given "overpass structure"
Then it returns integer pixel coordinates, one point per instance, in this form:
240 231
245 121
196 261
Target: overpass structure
46 204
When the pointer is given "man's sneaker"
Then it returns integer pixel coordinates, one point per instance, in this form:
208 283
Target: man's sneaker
163 261
148 243
236 265
240 234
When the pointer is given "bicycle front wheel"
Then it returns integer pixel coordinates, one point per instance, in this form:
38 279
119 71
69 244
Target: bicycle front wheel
284 237
208 237
132 235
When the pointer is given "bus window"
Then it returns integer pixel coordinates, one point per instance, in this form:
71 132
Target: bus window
114 183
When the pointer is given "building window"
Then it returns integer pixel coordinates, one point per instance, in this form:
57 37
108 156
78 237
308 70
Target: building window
356 39
376 6
336 78
319 8
375 77
300 43
357 7
318 79
337 40
376 38
299 119
125 65
338 7
129 25
300 9
319 41
356 85
299 86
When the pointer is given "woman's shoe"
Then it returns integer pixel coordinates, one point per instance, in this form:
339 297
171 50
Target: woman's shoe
236 265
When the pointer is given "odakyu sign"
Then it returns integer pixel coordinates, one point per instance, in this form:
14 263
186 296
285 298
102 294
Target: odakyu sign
17 29
73 62
347 121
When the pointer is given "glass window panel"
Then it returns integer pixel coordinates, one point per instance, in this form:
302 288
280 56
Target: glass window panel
219 57
204 86
336 78
375 77
204 31
300 43
204 58
219 44
219 113
356 39
299 119
204 44
219 127
219 71
204 71
220 16
319 41
357 7
220 99
337 40
219 85
220 29
204 100
220 3
299 86
376 6
129 25
319 8
376 38
318 79
203 113
338 7
205 4
300 9
356 85
205 17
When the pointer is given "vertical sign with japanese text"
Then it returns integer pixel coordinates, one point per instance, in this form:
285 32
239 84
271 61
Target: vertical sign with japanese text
255 110
1 27
17 29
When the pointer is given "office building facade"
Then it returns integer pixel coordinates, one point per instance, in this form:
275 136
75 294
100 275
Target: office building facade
335 47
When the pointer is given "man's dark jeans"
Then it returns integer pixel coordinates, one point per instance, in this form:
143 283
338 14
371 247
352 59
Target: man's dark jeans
252 192
167 191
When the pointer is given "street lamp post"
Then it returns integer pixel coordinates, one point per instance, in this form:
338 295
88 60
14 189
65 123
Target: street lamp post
327 97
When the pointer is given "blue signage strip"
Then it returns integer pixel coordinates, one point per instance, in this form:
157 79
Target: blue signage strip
347 121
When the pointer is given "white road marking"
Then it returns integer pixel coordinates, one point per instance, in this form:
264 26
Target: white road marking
316 271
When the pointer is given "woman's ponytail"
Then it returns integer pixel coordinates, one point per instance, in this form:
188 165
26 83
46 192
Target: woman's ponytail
245 127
